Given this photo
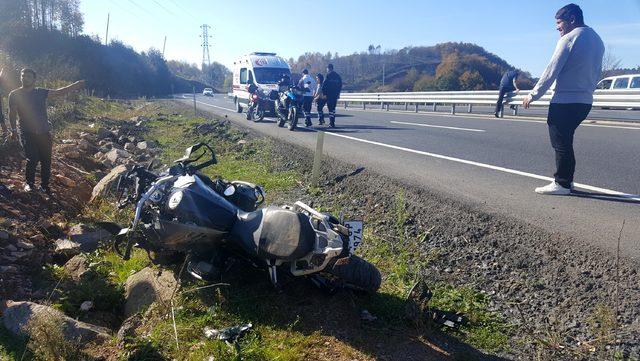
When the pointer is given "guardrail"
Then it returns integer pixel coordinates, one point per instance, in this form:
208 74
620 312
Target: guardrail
625 99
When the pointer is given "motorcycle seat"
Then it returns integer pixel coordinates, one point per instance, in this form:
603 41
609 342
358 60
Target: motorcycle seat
275 233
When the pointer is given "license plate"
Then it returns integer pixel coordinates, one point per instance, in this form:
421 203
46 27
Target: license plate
355 234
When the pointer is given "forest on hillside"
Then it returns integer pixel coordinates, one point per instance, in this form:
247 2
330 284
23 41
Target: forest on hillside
46 35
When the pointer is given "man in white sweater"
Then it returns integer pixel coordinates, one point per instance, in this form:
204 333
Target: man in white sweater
575 67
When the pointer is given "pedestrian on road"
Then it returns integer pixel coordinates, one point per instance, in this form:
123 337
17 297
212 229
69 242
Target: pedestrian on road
29 105
331 88
320 98
308 85
507 85
575 66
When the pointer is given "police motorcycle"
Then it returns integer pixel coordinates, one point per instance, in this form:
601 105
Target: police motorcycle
182 212
258 103
288 103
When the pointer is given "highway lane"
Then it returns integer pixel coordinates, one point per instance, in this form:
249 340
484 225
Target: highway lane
493 163
619 115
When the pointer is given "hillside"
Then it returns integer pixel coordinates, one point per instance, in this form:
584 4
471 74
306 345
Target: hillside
446 66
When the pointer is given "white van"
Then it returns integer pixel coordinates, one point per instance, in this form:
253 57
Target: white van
620 82
263 69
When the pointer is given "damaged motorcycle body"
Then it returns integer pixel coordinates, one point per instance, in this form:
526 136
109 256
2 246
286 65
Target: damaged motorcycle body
186 212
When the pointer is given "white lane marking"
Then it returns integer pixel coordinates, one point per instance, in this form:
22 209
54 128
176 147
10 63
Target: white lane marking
610 192
469 116
438 126
210 105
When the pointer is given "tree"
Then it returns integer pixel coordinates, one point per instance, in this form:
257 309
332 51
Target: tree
471 80
610 63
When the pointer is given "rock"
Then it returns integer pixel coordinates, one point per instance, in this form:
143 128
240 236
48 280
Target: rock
84 144
148 144
68 141
17 316
104 133
117 155
242 142
11 248
8 269
67 182
108 183
128 328
76 267
146 287
4 235
86 306
130 147
81 239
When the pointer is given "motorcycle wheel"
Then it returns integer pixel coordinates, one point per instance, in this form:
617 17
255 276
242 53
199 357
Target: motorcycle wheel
358 273
250 115
293 118
259 115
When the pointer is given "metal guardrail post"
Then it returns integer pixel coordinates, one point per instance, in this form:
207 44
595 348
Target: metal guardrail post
453 109
470 110
387 106
364 105
406 106
515 110
317 160
416 107
435 107
381 105
346 104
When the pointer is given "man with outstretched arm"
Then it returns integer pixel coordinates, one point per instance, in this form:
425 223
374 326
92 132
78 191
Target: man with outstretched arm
29 105
576 67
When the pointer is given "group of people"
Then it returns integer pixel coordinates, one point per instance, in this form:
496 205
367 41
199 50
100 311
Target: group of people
30 125
323 91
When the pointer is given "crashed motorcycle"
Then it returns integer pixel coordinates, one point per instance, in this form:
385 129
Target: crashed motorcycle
258 104
184 212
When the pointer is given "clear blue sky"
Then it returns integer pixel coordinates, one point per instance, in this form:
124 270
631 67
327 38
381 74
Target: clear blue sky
521 32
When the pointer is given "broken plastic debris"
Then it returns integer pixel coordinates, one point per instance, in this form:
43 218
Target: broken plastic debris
229 334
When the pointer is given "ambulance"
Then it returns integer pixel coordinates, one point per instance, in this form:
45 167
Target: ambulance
263 69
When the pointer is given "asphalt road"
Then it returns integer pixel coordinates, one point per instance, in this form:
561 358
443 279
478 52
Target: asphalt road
491 163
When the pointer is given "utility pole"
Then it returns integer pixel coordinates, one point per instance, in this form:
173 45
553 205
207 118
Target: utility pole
206 60
106 37
164 46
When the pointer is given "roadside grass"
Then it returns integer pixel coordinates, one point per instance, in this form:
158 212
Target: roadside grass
11 347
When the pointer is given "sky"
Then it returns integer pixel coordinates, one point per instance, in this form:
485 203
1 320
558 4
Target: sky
521 32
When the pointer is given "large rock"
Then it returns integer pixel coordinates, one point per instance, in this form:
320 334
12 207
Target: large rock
81 239
146 287
17 316
116 156
148 144
76 267
104 133
108 183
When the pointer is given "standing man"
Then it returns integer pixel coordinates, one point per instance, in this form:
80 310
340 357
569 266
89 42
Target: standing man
308 85
5 131
507 85
331 89
575 67
29 104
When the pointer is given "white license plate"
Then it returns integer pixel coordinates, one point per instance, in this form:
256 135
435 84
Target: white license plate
355 234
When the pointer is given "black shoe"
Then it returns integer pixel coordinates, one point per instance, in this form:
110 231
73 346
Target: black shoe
45 189
321 120
332 122
497 115
29 187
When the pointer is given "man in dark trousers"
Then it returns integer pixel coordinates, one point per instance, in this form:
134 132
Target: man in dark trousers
507 85
5 131
575 66
29 105
331 89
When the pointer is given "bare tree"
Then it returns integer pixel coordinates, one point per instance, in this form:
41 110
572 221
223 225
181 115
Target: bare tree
610 62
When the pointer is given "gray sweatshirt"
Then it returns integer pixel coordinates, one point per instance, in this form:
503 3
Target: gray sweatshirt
575 66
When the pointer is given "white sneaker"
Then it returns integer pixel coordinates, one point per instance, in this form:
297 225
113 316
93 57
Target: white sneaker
553 189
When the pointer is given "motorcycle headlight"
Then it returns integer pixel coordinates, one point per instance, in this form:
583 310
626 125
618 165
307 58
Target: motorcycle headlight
174 200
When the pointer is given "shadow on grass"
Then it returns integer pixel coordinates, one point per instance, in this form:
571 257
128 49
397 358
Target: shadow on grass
302 308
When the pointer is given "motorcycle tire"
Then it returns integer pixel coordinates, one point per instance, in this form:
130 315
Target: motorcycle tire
293 119
259 116
250 115
358 273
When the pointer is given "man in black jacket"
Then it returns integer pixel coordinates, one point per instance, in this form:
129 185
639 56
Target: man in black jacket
331 88
5 131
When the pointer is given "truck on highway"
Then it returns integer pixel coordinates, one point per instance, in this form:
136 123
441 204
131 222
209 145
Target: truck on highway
262 69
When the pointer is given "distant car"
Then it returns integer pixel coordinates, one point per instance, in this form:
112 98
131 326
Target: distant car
620 82
629 81
208 92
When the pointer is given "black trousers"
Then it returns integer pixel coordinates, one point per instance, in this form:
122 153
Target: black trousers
499 104
331 105
320 103
563 119
37 149
307 103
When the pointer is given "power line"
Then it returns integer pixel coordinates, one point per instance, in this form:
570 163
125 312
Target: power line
185 11
163 7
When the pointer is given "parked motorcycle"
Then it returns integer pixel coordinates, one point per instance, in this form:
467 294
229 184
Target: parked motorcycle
258 105
184 212
288 106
